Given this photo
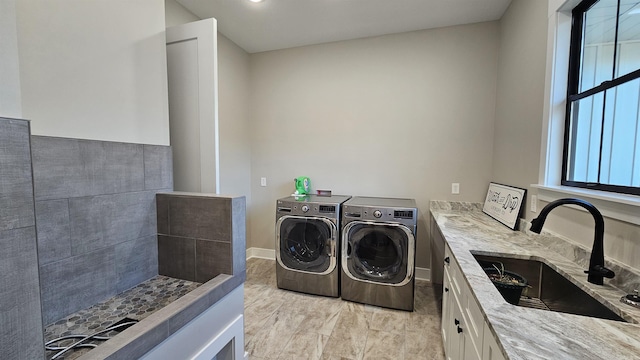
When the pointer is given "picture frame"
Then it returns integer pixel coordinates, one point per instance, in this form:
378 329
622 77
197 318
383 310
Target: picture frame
504 203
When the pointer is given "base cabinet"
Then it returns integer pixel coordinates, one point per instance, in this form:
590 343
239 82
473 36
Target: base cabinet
465 334
490 347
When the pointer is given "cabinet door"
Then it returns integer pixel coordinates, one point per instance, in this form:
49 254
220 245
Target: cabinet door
490 348
447 320
456 332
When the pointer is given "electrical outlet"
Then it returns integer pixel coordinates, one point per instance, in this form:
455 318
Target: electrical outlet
263 181
455 188
534 203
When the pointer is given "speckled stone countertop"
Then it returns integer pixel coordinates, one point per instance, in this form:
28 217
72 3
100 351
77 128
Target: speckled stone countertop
525 333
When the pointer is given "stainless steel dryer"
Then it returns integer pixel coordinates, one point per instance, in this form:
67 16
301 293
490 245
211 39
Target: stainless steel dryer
378 251
307 247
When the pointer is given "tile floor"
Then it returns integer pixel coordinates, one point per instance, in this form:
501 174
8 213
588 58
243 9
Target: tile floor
287 325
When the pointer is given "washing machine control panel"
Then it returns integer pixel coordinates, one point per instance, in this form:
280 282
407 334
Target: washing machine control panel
307 209
377 214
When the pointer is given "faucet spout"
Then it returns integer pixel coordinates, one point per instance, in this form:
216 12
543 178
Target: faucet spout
597 271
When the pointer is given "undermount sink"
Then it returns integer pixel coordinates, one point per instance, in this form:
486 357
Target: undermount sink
549 290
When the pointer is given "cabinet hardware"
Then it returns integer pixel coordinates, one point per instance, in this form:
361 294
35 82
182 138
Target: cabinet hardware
447 260
459 329
456 321
446 289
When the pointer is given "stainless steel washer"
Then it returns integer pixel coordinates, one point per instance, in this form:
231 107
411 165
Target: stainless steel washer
378 251
307 244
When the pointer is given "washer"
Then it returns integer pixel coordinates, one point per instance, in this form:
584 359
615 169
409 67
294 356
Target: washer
378 251
307 244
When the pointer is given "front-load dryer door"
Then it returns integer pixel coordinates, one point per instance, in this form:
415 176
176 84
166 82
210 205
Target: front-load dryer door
306 244
378 252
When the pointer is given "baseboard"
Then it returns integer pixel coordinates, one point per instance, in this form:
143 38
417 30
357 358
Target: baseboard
260 253
270 254
423 274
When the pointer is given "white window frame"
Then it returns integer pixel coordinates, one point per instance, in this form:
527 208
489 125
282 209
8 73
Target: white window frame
622 207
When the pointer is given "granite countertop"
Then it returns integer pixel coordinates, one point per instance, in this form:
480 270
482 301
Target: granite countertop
525 333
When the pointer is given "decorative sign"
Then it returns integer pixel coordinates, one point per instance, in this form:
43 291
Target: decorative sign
503 203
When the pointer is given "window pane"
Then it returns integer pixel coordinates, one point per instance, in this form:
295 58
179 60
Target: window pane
584 141
628 38
597 45
620 148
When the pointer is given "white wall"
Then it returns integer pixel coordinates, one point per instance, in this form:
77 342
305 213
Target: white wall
520 99
234 126
176 14
233 110
94 69
10 95
401 115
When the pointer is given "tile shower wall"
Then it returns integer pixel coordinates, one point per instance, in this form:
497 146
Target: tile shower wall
200 236
96 218
20 314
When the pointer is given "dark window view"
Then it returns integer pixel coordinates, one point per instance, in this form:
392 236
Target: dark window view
306 244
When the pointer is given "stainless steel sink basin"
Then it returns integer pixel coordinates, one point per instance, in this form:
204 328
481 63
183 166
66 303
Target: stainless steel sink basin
549 290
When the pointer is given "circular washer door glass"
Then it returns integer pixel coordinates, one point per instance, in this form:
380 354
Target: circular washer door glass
305 244
378 252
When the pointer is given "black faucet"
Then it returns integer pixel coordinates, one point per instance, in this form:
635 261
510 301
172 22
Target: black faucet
596 271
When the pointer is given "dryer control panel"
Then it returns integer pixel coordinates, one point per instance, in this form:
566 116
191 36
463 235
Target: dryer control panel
401 215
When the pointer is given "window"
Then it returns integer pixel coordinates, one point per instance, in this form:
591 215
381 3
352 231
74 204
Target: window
602 127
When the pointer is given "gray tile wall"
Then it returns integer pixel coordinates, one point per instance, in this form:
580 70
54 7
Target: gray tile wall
96 218
20 314
200 236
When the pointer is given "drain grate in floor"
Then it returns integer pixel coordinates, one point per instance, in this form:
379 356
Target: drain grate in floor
79 341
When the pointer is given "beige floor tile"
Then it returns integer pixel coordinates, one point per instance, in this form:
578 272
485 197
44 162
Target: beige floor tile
321 320
393 321
358 307
304 346
349 334
261 309
382 345
281 324
418 322
421 346
270 340
426 301
348 345
334 357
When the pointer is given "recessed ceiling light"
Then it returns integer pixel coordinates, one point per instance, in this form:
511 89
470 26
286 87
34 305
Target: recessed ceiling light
256 1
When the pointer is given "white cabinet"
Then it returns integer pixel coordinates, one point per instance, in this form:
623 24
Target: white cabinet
463 326
490 348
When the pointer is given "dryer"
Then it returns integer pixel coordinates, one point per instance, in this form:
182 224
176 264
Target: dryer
378 251
307 244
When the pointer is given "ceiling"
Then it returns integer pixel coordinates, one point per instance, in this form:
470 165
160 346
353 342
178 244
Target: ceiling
280 24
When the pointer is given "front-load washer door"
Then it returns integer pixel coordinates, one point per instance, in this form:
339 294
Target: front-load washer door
306 244
378 252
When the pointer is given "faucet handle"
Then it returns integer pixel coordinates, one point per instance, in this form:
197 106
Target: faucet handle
599 270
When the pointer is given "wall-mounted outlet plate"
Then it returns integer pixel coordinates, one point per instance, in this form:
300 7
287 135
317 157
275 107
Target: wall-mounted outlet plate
263 181
455 188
